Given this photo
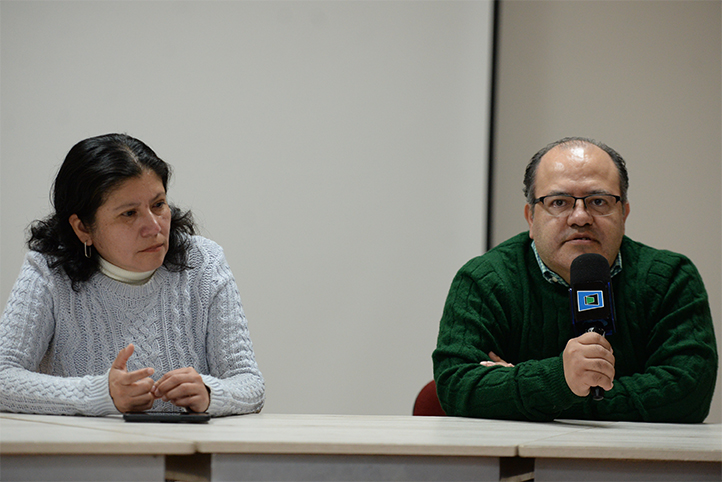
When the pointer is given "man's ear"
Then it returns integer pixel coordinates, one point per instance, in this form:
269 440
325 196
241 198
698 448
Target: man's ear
81 231
626 210
529 216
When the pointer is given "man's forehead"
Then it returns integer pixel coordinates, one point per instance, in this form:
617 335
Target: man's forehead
577 149
584 166
577 155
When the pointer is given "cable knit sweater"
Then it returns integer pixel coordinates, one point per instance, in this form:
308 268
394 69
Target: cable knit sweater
57 345
664 346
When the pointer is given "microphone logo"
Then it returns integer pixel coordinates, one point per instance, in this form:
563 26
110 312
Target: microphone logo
589 300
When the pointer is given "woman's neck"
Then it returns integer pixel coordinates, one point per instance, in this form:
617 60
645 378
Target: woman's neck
124 276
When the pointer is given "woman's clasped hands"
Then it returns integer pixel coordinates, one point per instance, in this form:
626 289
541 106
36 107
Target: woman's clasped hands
135 391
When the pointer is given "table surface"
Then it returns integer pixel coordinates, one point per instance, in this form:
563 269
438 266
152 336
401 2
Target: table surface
361 435
55 435
635 441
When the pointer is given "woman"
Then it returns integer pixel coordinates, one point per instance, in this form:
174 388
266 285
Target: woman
119 306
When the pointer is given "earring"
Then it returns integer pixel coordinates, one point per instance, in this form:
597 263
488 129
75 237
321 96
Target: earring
86 249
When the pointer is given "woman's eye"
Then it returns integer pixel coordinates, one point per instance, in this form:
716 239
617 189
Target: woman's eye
128 214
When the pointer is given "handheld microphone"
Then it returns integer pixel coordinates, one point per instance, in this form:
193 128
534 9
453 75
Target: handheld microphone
591 299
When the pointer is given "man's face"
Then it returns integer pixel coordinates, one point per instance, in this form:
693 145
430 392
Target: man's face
577 171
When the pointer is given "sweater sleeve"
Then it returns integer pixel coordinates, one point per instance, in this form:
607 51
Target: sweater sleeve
26 329
670 315
477 319
236 383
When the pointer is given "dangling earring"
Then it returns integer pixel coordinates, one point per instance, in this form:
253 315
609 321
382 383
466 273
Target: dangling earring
86 249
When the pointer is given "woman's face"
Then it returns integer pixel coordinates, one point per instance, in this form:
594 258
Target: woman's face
132 225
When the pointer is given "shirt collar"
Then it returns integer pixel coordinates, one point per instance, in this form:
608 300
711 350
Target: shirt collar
552 277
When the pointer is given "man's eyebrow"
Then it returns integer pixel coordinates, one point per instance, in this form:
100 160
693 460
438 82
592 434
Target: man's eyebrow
557 193
566 193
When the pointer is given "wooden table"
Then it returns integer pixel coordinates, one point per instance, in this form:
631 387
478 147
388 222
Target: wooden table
341 447
47 448
624 451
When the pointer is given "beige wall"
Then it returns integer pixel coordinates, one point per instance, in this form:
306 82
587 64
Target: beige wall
641 76
334 149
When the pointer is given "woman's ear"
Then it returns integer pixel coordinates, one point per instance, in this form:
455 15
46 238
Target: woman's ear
80 230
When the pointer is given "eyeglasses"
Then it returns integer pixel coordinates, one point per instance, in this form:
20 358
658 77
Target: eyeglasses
564 204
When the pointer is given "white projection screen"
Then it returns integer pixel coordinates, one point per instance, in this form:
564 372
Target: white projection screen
337 150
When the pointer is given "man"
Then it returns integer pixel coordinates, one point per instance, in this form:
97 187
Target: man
506 347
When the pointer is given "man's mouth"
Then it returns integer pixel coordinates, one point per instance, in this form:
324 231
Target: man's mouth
581 239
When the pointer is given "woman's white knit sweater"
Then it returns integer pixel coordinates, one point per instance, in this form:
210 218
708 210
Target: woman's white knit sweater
57 345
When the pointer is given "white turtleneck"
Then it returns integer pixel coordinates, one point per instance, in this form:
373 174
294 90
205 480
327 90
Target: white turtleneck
124 276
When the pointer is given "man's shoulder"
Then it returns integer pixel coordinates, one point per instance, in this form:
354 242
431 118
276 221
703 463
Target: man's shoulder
649 261
506 256
643 252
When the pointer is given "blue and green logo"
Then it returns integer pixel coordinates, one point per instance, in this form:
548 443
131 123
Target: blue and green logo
590 300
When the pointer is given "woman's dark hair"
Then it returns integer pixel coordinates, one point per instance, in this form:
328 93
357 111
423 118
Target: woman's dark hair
530 173
92 169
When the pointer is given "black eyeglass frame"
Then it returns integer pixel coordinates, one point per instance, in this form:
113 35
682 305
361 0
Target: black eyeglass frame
617 199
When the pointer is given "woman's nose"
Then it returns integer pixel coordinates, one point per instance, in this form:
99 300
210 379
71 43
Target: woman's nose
151 225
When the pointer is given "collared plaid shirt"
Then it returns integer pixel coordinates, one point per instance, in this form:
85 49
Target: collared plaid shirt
552 277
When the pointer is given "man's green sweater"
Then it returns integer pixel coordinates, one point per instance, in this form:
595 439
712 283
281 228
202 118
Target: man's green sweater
664 345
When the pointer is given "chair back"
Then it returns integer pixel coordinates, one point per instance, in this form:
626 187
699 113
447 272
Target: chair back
427 402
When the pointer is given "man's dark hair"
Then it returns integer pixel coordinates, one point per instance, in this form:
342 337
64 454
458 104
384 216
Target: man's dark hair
531 168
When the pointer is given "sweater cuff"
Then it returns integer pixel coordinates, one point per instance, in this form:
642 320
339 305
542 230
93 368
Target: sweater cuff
560 395
214 385
100 402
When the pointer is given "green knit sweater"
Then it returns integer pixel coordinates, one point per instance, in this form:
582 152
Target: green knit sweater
664 346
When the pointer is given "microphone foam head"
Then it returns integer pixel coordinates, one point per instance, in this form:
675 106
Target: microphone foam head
589 267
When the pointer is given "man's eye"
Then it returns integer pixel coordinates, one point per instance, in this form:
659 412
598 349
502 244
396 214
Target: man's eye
128 214
598 201
558 203
159 204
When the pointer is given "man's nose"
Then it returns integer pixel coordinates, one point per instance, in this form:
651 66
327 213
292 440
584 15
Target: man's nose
580 214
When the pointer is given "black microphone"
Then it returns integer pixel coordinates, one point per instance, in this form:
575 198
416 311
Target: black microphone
591 299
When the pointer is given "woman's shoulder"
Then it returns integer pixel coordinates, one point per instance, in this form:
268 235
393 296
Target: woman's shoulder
42 264
201 242
37 270
204 251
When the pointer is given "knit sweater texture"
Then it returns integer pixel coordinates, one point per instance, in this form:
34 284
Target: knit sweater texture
57 344
664 344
